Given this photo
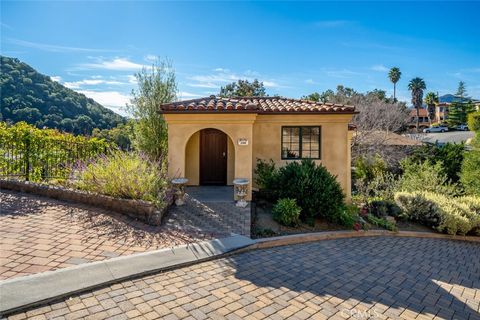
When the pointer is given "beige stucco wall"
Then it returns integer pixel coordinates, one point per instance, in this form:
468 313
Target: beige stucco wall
182 126
264 135
192 159
335 143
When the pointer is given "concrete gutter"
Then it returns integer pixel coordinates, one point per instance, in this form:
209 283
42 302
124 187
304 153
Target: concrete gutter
33 290
332 235
29 291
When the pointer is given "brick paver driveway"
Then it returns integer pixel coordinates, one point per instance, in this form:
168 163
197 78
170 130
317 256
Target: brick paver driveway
363 278
39 234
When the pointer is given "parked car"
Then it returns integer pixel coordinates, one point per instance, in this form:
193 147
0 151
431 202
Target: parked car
436 129
462 127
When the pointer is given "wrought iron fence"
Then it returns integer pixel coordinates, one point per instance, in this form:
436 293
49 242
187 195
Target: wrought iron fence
40 160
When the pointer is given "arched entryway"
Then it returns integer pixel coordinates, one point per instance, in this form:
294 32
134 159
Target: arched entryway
213 157
210 158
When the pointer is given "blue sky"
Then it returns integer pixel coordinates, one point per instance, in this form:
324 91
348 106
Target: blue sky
294 48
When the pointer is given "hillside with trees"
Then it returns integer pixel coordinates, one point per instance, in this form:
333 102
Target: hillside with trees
27 95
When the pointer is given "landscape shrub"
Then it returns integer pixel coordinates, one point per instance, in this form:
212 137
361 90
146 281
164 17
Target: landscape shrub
348 216
382 186
266 176
474 121
443 213
470 174
316 190
48 152
287 212
369 167
381 222
123 175
425 176
416 208
372 179
449 155
473 212
382 208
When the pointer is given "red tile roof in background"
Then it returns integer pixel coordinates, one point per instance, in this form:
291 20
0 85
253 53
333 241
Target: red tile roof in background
421 113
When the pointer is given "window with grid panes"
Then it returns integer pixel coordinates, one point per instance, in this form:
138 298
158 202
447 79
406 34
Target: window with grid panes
301 142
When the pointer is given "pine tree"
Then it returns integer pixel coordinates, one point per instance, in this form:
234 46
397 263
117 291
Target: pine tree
461 91
456 114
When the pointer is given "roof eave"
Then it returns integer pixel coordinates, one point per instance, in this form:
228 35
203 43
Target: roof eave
256 112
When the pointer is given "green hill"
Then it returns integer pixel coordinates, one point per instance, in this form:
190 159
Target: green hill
27 95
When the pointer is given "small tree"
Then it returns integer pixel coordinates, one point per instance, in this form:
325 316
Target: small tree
323 97
243 88
156 85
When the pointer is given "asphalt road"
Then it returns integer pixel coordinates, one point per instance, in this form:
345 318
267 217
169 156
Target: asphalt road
451 136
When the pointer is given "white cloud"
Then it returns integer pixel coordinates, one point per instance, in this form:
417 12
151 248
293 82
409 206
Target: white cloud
150 58
91 82
132 79
379 68
107 98
182 95
56 78
221 70
117 64
203 85
54 48
223 76
270 84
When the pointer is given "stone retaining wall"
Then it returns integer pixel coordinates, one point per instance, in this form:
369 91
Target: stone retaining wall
138 209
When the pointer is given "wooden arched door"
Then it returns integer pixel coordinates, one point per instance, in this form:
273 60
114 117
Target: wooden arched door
213 157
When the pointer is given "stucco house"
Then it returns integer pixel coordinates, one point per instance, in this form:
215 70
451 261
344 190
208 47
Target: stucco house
213 140
423 119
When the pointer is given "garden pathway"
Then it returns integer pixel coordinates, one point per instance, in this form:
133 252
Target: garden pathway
359 278
39 234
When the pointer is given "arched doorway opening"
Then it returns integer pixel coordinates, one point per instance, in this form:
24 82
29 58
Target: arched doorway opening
210 158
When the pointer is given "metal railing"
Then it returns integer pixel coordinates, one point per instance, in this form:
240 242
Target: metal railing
39 160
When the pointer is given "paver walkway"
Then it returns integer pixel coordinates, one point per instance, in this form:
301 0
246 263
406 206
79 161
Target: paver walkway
361 278
39 234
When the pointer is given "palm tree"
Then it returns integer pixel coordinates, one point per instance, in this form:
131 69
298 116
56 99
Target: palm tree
394 75
417 85
431 99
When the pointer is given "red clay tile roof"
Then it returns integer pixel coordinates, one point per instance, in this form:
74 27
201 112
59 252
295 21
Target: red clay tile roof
421 113
254 105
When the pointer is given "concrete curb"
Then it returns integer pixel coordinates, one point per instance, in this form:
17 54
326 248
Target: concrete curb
33 290
332 235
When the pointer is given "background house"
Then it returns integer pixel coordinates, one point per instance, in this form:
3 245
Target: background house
423 119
